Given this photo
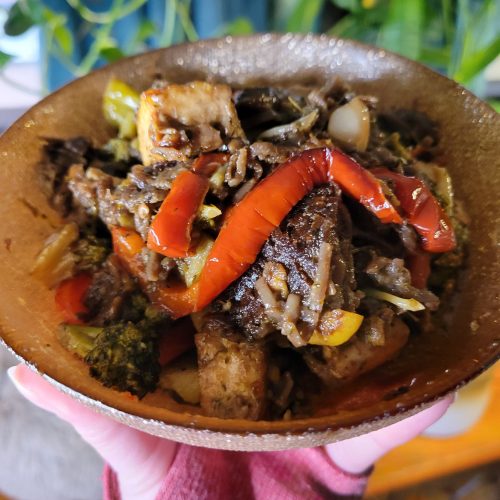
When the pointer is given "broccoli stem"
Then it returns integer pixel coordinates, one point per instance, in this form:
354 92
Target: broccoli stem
79 339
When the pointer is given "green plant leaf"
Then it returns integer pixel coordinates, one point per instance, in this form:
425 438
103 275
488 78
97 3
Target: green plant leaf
64 38
183 8
475 43
304 16
355 26
146 29
495 104
350 5
18 20
437 57
111 54
4 59
240 26
106 17
477 62
402 30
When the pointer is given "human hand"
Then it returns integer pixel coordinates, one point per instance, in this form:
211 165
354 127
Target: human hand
357 454
139 459
142 461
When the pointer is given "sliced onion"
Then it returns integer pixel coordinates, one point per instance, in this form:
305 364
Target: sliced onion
300 126
290 316
243 190
403 304
235 174
292 308
271 305
350 124
320 284
312 308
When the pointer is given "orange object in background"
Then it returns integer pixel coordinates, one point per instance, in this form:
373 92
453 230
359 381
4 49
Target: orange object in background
424 459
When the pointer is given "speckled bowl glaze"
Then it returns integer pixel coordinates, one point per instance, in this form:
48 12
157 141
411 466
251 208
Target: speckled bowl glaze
428 368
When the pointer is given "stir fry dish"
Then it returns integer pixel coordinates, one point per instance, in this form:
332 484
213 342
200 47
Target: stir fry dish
243 248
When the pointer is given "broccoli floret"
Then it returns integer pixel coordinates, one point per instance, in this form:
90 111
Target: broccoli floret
91 252
124 356
137 307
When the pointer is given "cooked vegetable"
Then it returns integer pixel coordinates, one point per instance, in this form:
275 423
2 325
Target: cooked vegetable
209 212
267 297
403 304
319 286
55 262
123 356
290 316
176 340
90 253
207 164
241 232
190 268
120 103
419 265
441 180
336 328
69 297
422 210
126 242
78 339
251 221
177 299
182 378
350 124
297 130
170 231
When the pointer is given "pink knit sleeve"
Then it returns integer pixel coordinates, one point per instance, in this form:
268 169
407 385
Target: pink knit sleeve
205 474
110 487
212 474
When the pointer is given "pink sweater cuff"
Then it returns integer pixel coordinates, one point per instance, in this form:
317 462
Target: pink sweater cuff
110 487
217 475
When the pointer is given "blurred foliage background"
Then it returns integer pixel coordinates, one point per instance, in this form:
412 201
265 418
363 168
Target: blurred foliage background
459 38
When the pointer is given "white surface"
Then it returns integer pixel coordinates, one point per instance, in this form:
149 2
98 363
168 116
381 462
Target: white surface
41 457
13 99
469 405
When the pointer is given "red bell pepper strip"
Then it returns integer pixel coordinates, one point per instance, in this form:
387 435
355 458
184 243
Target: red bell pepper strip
176 300
252 220
206 164
422 210
419 265
177 340
170 231
70 295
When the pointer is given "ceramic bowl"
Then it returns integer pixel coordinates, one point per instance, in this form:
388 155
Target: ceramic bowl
429 367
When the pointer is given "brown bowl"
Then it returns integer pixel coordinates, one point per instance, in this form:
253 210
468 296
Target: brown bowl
428 368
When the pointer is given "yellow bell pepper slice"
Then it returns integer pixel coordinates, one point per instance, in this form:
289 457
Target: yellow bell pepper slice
120 104
344 324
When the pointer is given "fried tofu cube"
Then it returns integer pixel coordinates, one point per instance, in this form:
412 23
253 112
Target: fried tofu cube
178 121
232 376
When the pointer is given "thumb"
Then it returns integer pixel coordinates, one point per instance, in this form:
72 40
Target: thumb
355 455
139 460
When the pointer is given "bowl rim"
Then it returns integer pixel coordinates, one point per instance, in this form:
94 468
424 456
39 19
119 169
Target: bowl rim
240 426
